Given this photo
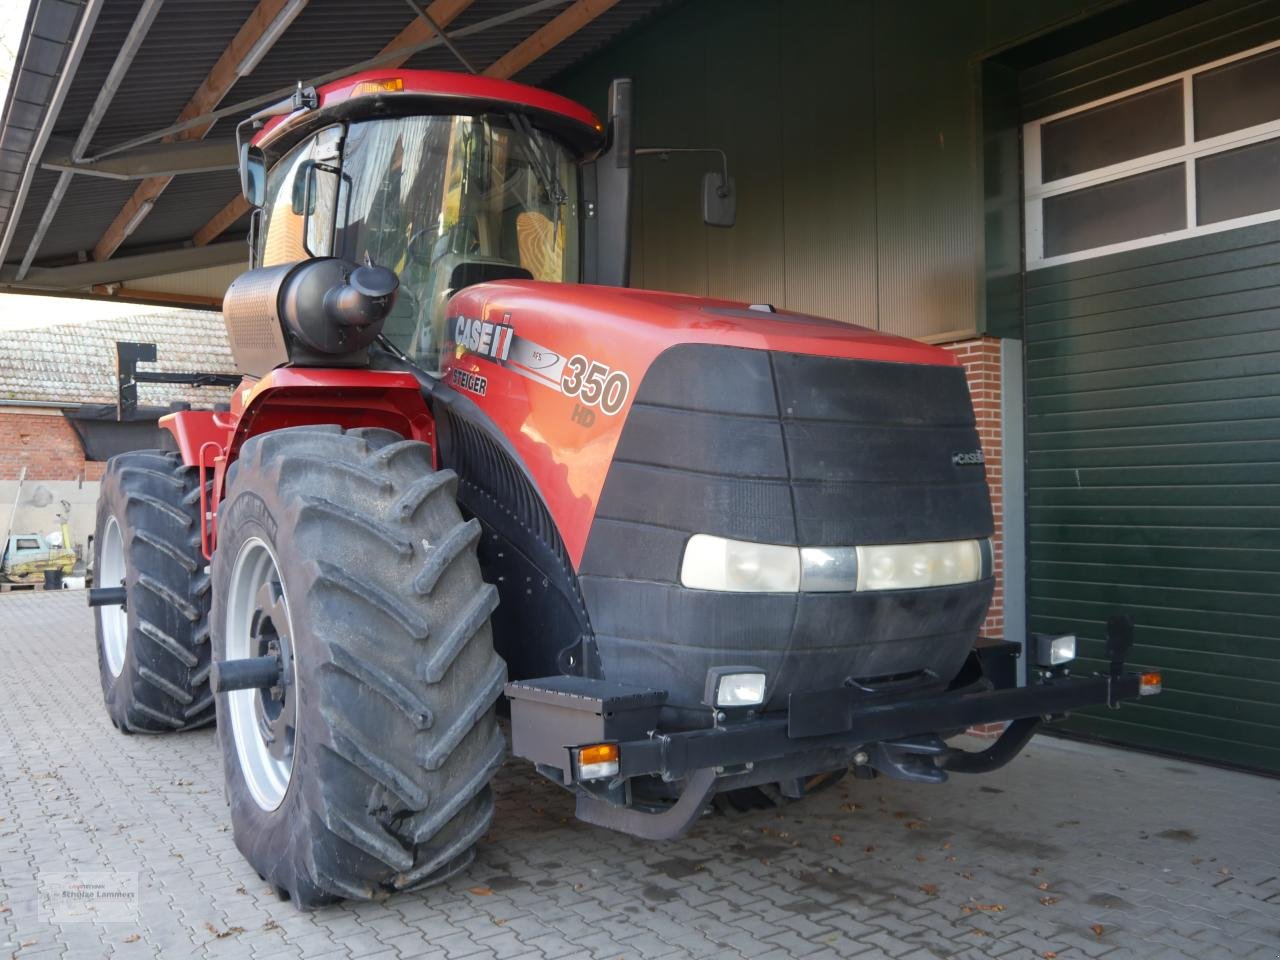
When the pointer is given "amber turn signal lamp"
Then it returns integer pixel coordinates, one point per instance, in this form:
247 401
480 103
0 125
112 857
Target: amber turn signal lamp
389 85
597 761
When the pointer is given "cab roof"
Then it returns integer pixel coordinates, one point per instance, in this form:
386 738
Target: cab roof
409 91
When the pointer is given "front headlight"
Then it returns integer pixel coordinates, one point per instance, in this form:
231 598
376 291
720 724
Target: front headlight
714 563
740 566
906 565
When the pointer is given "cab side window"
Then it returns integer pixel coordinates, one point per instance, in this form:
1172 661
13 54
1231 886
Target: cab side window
302 200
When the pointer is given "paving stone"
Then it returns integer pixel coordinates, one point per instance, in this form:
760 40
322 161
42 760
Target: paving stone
74 794
648 946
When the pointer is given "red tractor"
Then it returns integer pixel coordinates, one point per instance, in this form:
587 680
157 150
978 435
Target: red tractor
707 549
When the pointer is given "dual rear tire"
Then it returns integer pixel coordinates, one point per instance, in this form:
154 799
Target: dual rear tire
364 767
153 653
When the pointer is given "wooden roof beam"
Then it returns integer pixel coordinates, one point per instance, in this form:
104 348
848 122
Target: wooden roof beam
221 78
442 12
546 38
555 32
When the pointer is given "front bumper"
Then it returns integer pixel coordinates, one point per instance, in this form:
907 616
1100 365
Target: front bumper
822 730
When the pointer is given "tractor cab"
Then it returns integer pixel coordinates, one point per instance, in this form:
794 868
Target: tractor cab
444 179
443 201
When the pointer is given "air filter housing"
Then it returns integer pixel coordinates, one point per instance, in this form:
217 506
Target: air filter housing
320 312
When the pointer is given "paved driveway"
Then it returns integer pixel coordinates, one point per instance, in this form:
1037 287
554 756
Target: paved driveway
1071 851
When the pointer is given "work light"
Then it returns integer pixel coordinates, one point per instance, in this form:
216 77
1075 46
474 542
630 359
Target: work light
740 690
1054 651
728 687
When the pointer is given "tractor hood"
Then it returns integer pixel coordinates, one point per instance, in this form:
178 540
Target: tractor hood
557 368
646 419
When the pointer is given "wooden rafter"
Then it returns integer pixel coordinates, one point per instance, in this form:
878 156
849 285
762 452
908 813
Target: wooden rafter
208 95
221 221
558 30
442 12
156 296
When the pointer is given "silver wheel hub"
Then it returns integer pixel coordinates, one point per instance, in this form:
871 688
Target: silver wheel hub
263 721
114 619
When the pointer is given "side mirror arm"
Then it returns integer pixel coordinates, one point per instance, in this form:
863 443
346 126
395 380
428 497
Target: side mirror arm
719 195
664 153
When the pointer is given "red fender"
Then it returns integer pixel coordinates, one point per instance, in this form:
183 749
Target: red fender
293 397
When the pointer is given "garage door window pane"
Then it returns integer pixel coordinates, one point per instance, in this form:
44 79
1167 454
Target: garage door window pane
1135 126
1238 183
1237 95
1139 206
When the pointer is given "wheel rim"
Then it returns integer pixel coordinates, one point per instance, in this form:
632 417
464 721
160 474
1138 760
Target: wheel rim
114 620
263 721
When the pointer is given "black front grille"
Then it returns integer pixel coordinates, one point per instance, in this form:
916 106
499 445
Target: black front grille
788 449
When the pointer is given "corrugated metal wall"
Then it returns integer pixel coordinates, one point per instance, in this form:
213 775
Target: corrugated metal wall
852 129
1153 394
1180 41
1154 454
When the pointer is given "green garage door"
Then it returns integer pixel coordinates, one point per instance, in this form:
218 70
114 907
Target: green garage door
1153 385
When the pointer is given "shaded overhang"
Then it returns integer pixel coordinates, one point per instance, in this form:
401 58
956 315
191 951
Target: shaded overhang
117 149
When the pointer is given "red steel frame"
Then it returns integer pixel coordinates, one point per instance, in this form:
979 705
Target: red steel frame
292 397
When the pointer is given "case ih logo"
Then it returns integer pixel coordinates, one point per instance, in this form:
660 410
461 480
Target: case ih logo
489 340
967 459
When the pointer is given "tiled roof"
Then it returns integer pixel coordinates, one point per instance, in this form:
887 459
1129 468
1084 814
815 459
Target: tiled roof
75 362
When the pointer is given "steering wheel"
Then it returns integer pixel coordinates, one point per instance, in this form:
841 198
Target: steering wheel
421 248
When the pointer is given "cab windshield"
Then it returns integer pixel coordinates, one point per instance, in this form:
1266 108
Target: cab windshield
444 201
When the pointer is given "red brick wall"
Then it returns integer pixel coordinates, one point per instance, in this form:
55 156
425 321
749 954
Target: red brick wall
45 444
981 359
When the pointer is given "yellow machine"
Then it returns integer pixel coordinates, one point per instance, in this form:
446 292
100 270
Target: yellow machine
26 556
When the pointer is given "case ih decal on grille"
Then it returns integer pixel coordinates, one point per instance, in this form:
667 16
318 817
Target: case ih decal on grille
588 381
969 458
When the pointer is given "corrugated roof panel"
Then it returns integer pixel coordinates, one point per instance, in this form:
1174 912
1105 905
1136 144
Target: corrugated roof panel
49 29
86 211
325 36
186 39
601 32
189 199
189 33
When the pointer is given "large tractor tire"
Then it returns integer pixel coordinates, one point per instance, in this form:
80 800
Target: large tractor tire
153 653
364 768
